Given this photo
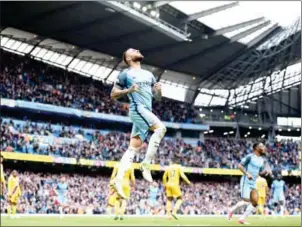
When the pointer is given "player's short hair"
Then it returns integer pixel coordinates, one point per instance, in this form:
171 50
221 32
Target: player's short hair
255 145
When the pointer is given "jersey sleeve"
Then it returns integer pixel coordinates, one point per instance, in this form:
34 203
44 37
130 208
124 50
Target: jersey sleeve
246 160
121 81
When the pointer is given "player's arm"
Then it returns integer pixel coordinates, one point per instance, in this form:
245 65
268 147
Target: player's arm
156 89
114 172
265 170
165 177
242 165
119 89
132 177
184 177
3 183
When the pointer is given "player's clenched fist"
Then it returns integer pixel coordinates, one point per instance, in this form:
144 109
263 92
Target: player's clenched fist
133 88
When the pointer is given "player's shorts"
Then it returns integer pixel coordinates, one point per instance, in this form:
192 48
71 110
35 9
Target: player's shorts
261 201
142 120
14 199
278 198
62 200
246 186
173 191
152 202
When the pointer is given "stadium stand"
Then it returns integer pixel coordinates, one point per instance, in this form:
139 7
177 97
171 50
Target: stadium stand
27 79
27 137
89 195
228 84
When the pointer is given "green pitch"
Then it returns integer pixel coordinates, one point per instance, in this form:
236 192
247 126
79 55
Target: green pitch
146 221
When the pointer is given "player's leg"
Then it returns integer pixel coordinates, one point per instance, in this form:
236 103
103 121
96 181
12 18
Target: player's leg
281 203
123 205
245 198
169 196
251 207
176 194
260 208
159 131
126 161
117 206
9 209
123 208
111 201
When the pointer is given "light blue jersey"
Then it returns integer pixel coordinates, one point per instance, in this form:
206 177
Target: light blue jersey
145 81
62 189
278 187
254 165
153 196
140 110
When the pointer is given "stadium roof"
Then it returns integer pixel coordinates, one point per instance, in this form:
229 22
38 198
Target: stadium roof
91 44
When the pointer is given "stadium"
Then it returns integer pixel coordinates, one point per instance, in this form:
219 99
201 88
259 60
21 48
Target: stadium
150 113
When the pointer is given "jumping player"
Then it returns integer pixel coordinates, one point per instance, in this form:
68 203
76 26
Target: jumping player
251 166
262 189
61 192
171 181
115 200
14 193
2 178
278 189
140 86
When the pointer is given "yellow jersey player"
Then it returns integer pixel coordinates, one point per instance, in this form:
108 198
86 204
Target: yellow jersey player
2 178
14 193
115 200
171 181
262 188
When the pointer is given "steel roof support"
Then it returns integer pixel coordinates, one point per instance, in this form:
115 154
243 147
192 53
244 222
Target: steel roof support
210 11
114 68
216 72
235 27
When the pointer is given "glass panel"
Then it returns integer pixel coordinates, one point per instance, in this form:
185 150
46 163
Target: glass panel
202 100
73 63
217 101
15 45
93 69
48 55
9 43
113 76
80 65
3 40
28 49
42 53
67 60
86 67
173 91
54 57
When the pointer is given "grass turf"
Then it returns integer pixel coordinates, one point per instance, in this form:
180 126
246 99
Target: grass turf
145 221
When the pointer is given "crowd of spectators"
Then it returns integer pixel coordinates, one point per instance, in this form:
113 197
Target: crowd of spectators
100 145
89 194
23 78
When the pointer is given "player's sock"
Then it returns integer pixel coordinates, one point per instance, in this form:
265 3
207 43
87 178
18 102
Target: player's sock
238 205
14 210
125 163
169 207
154 142
117 208
9 210
108 210
260 210
123 207
177 206
249 210
61 210
282 210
